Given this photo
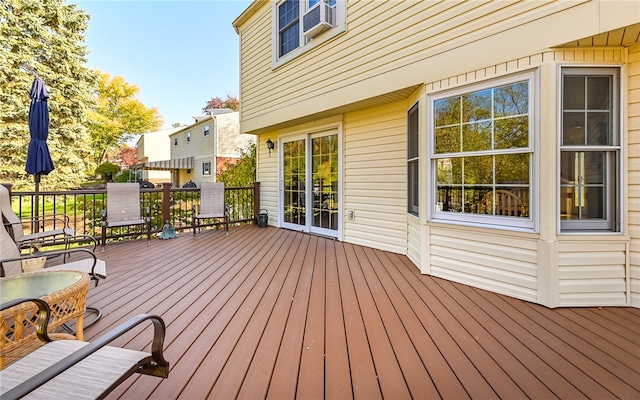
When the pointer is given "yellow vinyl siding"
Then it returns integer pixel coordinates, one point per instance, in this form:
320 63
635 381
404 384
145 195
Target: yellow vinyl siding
267 175
375 177
633 121
414 239
592 274
392 45
503 263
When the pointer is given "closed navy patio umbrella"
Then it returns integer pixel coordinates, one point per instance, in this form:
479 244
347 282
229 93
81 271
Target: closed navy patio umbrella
38 158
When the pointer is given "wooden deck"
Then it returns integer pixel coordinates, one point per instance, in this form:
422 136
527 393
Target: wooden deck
281 314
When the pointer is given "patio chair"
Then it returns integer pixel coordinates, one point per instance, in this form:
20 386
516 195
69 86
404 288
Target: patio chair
507 203
75 369
64 235
12 263
123 209
211 205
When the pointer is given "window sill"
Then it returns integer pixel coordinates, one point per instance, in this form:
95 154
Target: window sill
318 40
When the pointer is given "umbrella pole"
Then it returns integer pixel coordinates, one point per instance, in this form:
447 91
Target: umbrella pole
35 227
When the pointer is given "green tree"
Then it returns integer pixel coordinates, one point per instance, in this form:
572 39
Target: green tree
118 115
107 170
243 172
44 37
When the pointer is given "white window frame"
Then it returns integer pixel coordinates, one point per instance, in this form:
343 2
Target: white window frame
340 25
526 224
188 136
206 130
175 141
413 186
206 168
613 222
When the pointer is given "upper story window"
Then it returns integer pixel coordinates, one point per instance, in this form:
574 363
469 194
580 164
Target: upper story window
206 168
188 136
175 141
206 130
288 26
301 24
482 155
590 181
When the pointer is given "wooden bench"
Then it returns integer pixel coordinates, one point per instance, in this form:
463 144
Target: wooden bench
74 369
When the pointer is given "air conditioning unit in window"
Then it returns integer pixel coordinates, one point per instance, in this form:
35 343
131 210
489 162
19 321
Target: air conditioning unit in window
318 19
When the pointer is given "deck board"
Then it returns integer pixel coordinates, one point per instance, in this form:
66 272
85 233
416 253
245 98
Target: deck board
272 313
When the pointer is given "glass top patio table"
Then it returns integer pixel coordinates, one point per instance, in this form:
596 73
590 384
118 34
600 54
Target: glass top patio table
64 291
36 284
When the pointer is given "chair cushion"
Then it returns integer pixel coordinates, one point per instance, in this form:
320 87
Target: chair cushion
82 266
88 379
46 234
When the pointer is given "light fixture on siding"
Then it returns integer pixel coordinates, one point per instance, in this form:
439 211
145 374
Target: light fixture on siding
270 146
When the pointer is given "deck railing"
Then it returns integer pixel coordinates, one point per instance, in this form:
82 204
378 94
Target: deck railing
166 204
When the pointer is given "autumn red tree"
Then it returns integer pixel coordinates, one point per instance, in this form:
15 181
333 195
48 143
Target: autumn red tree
231 102
125 157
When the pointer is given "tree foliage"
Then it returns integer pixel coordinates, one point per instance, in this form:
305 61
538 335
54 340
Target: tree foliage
231 103
118 115
125 156
243 172
107 170
47 37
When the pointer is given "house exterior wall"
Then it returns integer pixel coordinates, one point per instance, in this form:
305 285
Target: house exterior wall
375 177
390 45
221 144
229 138
154 146
396 53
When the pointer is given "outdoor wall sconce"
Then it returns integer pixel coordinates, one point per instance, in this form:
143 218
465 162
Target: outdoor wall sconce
270 146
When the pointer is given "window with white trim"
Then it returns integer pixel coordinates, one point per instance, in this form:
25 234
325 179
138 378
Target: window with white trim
175 141
206 130
413 175
188 136
296 26
482 153
590 150
206 168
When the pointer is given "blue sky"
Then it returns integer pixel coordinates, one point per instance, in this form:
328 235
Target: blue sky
179 53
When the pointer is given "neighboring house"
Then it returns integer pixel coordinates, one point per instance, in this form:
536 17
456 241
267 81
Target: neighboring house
495 144
204 147
153 147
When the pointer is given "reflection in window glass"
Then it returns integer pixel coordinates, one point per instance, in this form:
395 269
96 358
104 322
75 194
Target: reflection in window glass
589 155
324 175
413 173
485 135
294 156
289 26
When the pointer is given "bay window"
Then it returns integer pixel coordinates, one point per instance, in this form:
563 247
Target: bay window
482 153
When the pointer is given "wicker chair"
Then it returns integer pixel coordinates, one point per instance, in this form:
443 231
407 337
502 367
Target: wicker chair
211 205
64 235
123 209
13 263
